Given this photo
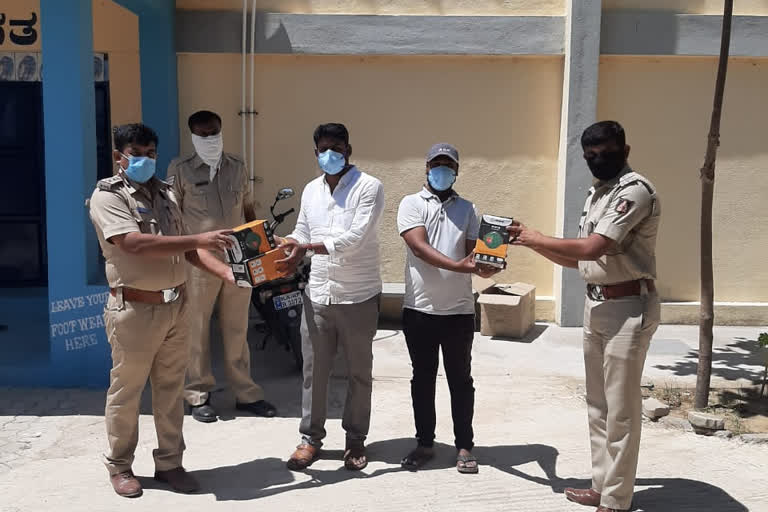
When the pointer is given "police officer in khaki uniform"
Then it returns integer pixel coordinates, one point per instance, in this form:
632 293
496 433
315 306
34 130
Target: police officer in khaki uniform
138 224
214 192
615 254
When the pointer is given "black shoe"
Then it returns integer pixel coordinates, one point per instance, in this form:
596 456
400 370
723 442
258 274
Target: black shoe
260 408
178 479
204 412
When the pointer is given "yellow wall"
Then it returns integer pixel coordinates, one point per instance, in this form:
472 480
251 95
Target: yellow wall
423 7
740 7
665 106
115 32
502 113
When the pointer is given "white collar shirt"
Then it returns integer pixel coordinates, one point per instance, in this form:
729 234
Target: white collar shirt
346 222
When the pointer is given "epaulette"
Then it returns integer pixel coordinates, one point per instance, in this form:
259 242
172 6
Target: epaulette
236 158
633 177
186 158
110 183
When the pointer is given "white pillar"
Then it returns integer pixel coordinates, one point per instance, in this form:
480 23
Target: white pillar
579 110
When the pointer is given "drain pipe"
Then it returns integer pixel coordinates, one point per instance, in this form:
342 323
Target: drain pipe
252 113
242 101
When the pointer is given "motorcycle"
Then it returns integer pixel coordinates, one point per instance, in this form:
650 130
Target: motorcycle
280 302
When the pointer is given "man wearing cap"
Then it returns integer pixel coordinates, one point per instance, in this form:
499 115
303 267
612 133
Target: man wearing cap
440 229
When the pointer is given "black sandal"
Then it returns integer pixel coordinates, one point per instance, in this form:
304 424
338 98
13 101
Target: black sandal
467 464
417 458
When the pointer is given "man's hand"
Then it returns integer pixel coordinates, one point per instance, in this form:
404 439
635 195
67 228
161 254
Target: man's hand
466 265
215 240
295 253
229 276
486 271
520 234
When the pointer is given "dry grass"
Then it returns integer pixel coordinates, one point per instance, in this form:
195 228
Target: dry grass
742 408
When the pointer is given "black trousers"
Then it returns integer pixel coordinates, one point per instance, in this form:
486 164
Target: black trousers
425 334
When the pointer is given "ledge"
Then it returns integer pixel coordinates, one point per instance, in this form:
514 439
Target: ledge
664 33
344 34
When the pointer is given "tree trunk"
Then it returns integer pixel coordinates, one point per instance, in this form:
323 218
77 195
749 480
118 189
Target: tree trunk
707 315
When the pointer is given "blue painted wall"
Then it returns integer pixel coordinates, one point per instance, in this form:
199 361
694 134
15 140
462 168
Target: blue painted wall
79 352
159 91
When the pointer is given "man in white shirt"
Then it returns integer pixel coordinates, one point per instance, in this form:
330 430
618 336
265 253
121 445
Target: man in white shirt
440 229
337 227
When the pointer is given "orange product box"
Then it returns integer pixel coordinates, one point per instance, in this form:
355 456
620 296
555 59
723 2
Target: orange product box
250 240
258 270
492 241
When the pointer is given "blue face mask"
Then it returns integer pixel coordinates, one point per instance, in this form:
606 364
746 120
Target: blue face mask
441 178
331 162
140 168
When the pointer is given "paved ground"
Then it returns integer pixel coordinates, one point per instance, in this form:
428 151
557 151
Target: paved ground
530 429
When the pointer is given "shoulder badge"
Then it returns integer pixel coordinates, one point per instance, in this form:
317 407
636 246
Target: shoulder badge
110 183
624 206
169 181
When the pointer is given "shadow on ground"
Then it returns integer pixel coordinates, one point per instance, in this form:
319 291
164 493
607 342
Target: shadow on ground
741 359
268 477
271 366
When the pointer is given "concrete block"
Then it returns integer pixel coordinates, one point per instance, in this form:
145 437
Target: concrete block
704 423
655 409
507 310
754 438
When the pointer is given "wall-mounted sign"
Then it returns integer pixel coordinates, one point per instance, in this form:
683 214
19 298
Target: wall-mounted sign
18 31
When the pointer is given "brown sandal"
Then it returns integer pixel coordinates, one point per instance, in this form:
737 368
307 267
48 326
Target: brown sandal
352 453
303 457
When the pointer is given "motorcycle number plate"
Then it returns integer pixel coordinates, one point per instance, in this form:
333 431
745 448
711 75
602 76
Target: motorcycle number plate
287 301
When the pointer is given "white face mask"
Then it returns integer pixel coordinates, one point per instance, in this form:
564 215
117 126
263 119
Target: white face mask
209 149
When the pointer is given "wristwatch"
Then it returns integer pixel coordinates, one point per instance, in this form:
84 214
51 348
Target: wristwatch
309 252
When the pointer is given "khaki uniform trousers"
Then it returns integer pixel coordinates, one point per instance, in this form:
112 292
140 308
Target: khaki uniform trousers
617 334
205 291
148 341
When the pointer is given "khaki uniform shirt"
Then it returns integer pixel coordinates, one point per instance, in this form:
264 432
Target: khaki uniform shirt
118 207
206 204
626 210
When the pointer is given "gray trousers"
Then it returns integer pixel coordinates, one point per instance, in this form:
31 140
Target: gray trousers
323 328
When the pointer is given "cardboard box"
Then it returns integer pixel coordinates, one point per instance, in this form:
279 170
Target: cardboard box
250 240
492 241
507 310
479 286
258 270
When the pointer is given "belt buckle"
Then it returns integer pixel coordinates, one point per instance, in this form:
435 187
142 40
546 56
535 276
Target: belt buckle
170 295
596 292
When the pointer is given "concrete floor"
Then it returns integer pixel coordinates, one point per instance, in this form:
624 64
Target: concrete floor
530 425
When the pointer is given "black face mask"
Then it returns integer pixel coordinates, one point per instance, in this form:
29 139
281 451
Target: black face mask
607 165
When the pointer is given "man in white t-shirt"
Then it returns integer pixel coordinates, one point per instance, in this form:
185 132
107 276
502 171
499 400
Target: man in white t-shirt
440 229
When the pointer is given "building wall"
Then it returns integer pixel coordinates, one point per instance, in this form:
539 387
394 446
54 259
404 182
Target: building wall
115 32
502 113
435 7
740 7
665 104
